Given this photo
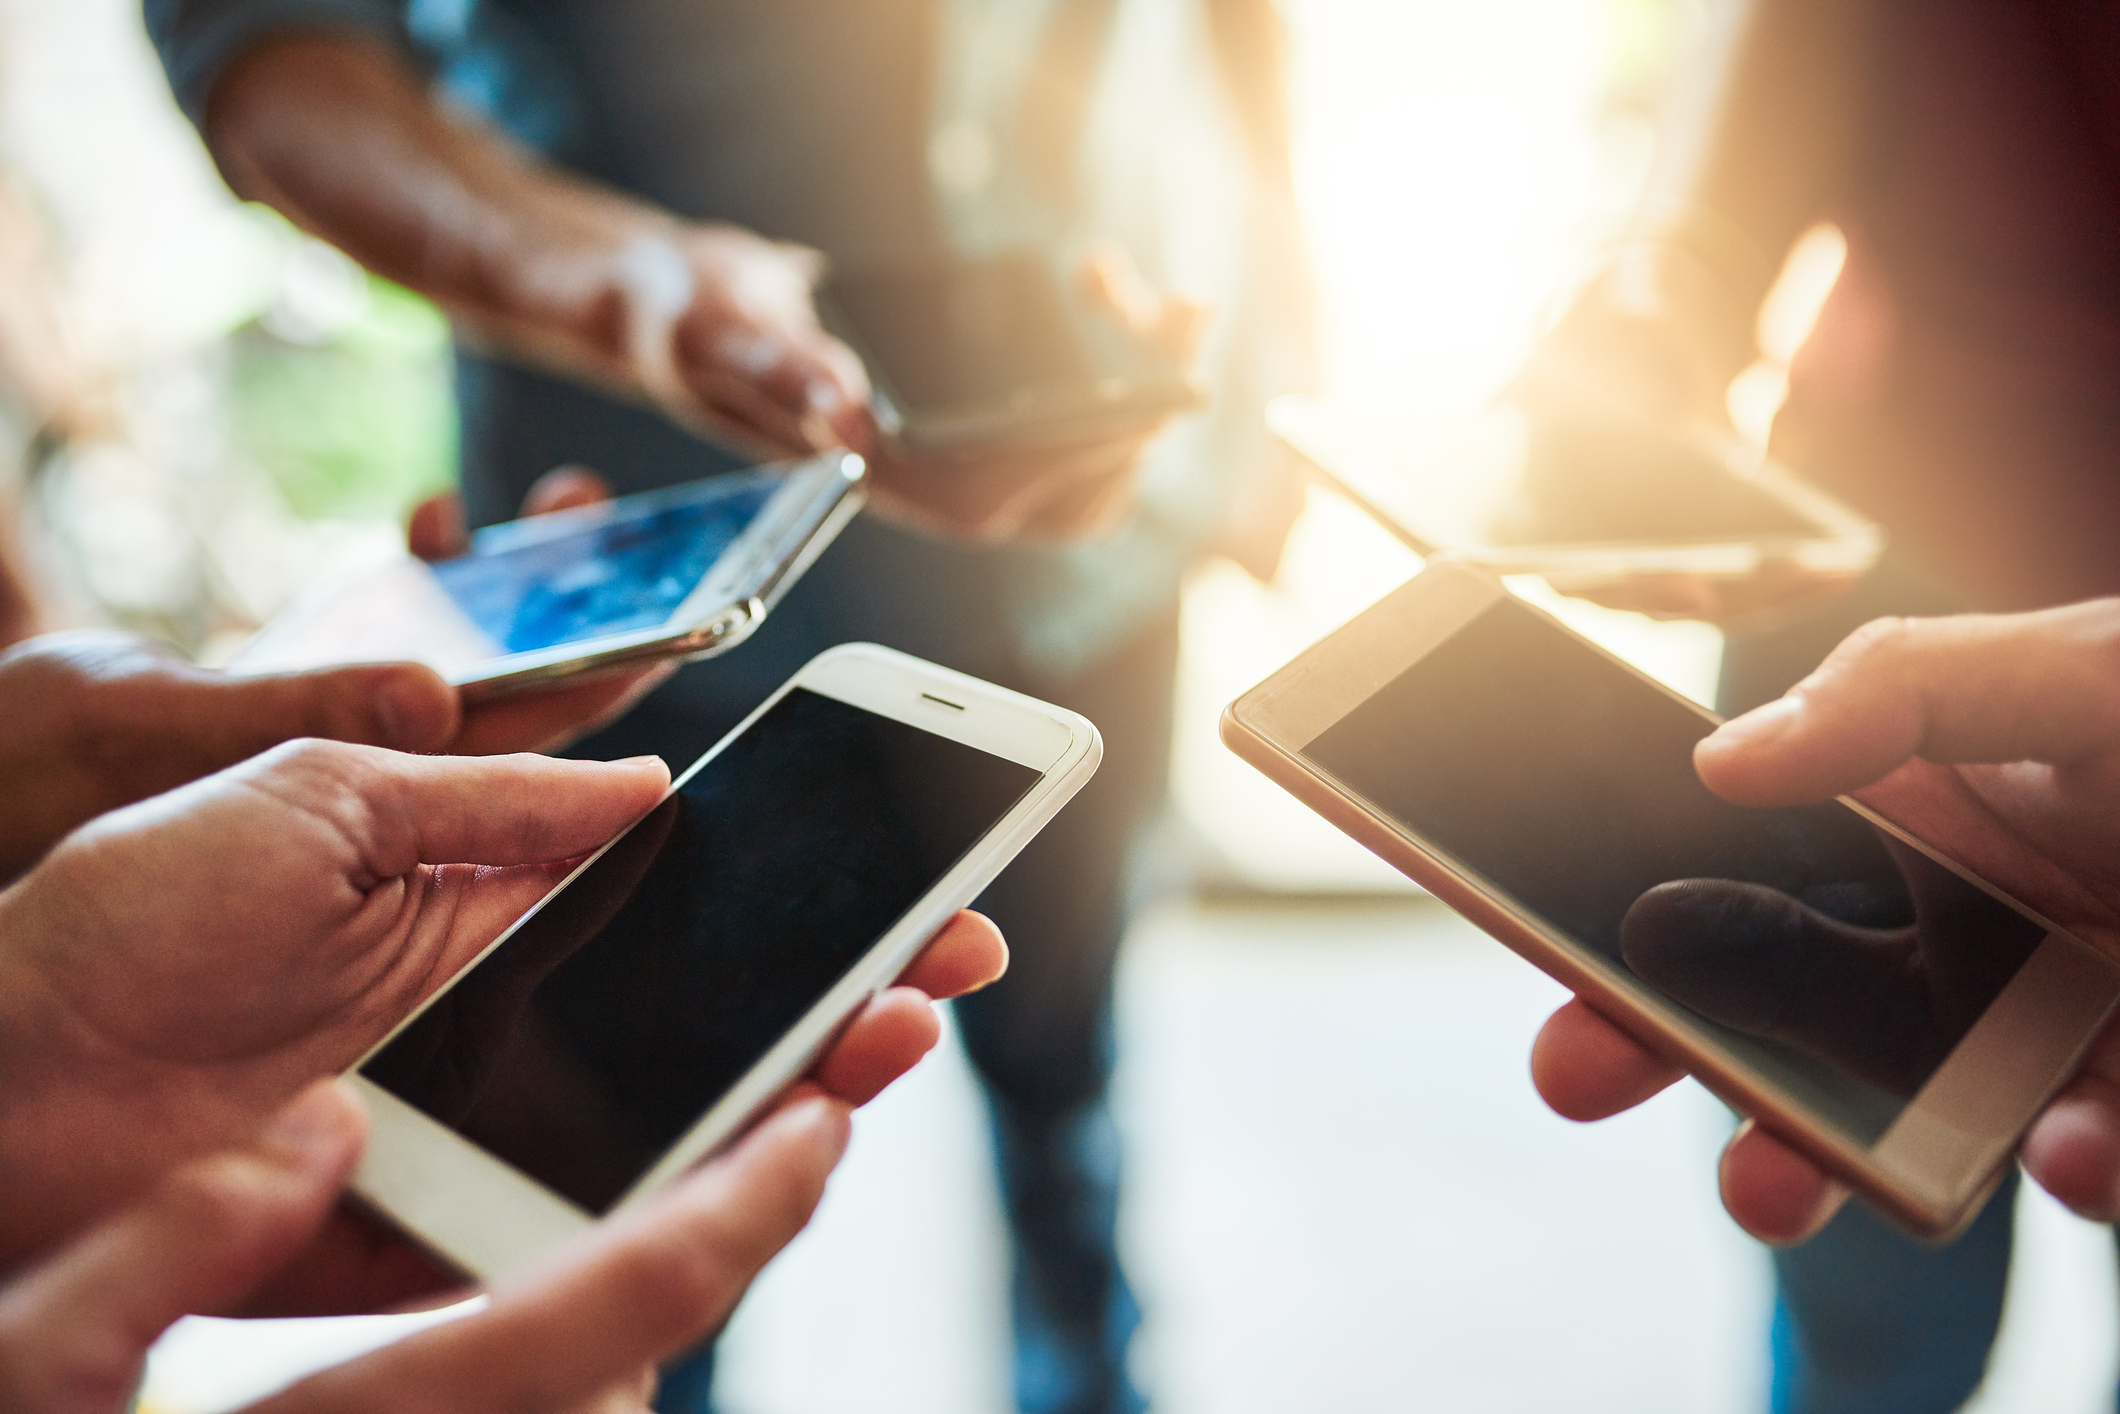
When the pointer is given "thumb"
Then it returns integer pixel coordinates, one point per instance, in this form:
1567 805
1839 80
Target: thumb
404 706
74 1332
1969 688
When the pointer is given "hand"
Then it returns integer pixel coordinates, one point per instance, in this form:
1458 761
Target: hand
549 718
581 1331
176 970
721 334
1070 491
1995 738
97 720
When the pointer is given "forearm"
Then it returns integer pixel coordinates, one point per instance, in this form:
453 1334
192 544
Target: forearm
342 136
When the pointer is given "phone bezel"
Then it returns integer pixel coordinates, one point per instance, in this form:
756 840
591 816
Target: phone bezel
489 1217
813 502
1946 1148
1842 543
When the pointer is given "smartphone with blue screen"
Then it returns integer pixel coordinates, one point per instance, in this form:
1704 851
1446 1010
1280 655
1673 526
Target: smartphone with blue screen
684 572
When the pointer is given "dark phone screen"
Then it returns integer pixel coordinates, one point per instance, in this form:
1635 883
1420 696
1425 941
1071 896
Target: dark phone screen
629 572
1835 961
588 1043
976 332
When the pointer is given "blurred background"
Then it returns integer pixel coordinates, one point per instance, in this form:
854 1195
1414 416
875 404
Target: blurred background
1343 1195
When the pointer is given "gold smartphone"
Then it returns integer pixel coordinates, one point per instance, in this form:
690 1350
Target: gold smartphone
977 355
1879 1007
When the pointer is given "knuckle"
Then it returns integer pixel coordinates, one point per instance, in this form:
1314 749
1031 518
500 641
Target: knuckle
1889 637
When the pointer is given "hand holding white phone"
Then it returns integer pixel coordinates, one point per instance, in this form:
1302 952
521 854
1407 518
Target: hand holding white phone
641 1015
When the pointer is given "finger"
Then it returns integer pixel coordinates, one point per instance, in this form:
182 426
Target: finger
400 811
1108 278
548 720
1762 962
1971 688
632 1292
563 488
404 706
2073 1148
436 530
1586 1068
74 1333
1773 1192
355 1263
969 953
883 1041
734 397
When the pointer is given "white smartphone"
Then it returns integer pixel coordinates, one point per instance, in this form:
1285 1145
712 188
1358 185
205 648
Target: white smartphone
997 353
1587 502
684 572
1820 968
652 1004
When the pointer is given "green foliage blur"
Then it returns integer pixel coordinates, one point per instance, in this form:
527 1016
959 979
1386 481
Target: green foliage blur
357 426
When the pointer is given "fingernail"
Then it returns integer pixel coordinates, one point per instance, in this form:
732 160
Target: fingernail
412 713
642 761
1761 725
823 397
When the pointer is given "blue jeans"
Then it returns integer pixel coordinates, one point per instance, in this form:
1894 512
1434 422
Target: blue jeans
1869 1321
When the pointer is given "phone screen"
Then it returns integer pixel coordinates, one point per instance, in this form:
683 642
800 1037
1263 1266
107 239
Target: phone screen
1506 480
1832 958
528 591
591 1040
1587 481
976 332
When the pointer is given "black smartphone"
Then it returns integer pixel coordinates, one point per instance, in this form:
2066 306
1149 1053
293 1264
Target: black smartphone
997 352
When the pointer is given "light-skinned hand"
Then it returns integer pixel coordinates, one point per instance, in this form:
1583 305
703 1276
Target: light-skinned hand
580 1331
174 971
100 719
1071 490
1995 738
730 345
1657 338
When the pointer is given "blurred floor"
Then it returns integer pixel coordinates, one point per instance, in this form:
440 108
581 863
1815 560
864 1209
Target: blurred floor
1345 1197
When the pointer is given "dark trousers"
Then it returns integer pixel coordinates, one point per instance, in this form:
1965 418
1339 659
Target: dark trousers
1040 1039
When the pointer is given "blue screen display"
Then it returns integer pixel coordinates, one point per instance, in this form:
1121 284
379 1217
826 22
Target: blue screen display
628 572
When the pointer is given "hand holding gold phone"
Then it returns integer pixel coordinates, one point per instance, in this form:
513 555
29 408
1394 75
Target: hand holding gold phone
1873 1003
